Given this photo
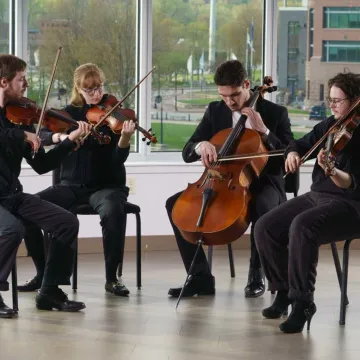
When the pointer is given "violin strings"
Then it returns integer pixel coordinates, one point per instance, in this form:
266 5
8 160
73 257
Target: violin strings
122 117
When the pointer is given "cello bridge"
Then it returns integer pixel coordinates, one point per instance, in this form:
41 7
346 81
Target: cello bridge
214 174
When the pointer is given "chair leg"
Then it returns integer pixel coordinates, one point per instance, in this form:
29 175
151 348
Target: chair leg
231 260
338 268
46 243
138 250
210 254
344 282
75 268
14 287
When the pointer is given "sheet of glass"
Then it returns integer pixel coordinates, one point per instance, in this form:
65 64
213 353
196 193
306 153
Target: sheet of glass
190 38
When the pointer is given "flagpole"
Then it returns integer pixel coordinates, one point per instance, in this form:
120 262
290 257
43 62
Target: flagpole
251 63
252 48
212 32
189 65
247 51
201 68
191 77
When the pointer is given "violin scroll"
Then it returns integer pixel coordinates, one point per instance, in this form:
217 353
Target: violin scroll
151 137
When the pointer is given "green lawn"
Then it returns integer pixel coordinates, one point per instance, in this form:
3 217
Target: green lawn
202 101
176 135
297 111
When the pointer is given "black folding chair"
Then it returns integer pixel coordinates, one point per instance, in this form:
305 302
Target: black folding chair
14 287
86 209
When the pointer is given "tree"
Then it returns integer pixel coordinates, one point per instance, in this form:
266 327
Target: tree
104 35
232 34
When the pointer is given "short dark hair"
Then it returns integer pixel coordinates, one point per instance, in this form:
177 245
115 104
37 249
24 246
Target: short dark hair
348 82
230 73
10 65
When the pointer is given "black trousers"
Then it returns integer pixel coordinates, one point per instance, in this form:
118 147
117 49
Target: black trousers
108 203
288 239
264 197
31 209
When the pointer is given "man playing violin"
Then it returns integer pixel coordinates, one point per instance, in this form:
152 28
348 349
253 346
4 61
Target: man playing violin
95 175
288 237
272 123
16 207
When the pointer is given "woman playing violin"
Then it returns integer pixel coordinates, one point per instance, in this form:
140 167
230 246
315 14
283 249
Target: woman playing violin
288 237
94 175
18 142
272 123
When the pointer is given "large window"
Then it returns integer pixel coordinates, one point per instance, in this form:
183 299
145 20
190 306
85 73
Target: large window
4 26
89 31
341 51
342 17
190 38
186 40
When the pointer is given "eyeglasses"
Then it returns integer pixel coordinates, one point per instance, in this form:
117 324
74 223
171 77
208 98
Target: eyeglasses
92 91
335 102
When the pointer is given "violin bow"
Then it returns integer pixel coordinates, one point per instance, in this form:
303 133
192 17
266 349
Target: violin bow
119 103
251 155
41 119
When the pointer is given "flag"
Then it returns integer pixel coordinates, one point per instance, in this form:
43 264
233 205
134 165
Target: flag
248 38
251 35
189 64
201 62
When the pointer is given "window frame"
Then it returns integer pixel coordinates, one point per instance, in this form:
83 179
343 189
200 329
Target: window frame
143 58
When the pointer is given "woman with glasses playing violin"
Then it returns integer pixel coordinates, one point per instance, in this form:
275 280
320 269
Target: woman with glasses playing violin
288 237
95 175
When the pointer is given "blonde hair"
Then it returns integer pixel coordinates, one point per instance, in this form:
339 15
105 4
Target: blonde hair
86 76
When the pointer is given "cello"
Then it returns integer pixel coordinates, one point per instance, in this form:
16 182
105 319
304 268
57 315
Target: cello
214 210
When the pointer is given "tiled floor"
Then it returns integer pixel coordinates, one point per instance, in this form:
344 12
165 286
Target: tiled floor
147 326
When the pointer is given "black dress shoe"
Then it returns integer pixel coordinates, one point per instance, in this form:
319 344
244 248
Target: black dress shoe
57 300
301 313
197 285
117 288
256 283
5 311
30 285
279 307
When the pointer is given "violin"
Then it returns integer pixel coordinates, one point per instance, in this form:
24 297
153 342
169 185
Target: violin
115 121
27 112
338 136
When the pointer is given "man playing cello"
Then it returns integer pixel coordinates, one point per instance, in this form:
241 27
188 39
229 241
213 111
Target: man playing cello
272 123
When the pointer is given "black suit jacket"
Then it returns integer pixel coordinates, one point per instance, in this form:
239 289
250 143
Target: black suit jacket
218 116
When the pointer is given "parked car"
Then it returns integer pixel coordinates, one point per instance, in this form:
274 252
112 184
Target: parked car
317 112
